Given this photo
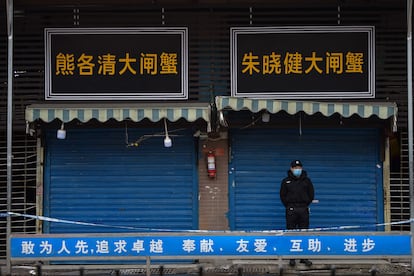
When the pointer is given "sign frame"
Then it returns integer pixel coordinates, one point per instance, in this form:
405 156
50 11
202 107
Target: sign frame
175 245
181 93
235 61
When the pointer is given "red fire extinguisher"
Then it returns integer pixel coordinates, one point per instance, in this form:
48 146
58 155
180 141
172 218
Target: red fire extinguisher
211 165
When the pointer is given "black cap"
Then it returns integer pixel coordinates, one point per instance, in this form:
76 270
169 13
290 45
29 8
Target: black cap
296 163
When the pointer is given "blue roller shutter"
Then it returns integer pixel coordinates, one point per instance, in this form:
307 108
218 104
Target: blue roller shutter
93 177
343 164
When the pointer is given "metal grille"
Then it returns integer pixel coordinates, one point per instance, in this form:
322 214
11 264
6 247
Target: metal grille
209 38
400 189
23 192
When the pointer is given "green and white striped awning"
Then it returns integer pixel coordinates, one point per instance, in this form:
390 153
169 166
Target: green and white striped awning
103 112
382 110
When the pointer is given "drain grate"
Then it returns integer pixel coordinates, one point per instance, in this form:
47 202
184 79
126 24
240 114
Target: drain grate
143 271
233 269
388 269
220 270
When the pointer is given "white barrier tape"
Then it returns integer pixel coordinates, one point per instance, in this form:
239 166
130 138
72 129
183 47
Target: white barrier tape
43 218
319 229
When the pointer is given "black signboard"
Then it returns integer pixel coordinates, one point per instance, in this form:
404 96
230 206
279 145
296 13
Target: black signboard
303 62
116 64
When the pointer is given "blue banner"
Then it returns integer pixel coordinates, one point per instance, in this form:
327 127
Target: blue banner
48 246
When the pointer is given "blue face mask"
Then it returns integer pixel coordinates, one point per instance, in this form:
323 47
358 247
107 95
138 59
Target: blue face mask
297 172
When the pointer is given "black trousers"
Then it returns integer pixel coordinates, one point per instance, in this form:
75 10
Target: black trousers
297 217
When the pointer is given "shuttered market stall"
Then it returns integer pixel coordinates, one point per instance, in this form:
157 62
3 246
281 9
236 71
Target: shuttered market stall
92 176
344 165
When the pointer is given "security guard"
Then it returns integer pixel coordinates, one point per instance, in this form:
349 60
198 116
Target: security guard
297 193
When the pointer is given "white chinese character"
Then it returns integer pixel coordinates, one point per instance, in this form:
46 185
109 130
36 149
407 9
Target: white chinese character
102 247
156 246
260 245
120 246
138 246
82 247
206 245
46 247
63 248
314 245
189 245
368 245
296 246
27 247
242 246
350 245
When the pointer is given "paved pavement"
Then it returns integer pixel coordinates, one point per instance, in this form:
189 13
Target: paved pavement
227 268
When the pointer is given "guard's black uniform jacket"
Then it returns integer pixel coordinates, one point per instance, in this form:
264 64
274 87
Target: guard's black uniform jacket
297 194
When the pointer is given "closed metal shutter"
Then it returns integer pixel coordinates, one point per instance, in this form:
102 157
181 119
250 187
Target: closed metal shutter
93 177
344 166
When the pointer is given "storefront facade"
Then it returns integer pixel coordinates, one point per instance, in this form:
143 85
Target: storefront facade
114 171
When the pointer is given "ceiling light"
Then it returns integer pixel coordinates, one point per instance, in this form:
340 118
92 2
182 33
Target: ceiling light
167 139
61 133
265 117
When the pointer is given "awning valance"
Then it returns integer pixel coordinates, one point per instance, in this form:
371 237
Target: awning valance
103 112
383 110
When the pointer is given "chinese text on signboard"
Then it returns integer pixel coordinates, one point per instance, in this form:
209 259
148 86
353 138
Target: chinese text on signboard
116 64
303 62
209 245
